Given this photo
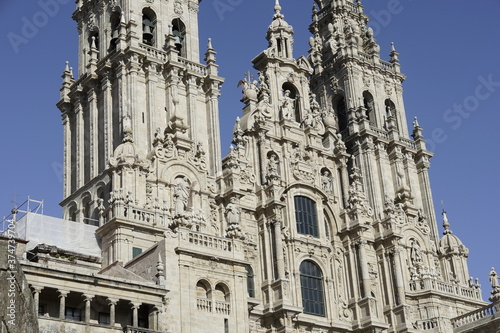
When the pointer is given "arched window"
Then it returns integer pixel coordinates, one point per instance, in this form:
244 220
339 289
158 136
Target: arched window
250 281
179 32
341 110
148 26
306 216
369 106
311 284
390 110
115 29
94 38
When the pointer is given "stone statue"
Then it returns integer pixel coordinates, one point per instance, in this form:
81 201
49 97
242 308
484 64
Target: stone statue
272 169
494 279
181 195
326 182
315 107
415 253
233 212
287 108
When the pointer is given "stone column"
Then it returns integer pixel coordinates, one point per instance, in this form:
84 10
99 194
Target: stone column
135 313
396 266
62 303
36 297
88 299
93 150
365 276
345 182
67 153
112 311
80 141
280 260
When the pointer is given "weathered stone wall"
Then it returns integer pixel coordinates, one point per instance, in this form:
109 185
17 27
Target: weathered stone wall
16 304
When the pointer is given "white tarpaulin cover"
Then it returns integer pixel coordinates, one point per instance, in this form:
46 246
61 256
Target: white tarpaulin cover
67 235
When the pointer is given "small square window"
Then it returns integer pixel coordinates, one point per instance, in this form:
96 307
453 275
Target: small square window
136 251
73 314
104 318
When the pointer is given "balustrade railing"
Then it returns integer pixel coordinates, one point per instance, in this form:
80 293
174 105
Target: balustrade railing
193 66
204 304
429 324
474 316
154 52
212 242
444 287
223 308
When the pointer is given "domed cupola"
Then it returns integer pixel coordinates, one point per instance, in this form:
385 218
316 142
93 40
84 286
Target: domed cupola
453 255
451 244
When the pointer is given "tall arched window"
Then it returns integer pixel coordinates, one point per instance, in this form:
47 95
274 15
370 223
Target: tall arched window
148 26
250 281
341 109
311 284
115 28
390 110
306 216
369 106
179 32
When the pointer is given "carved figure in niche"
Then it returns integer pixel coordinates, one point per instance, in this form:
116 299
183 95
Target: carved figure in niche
494 280
273 47
233 212
327 182
315 107
415 253
181 195
264 87
309 120
287 108
272 168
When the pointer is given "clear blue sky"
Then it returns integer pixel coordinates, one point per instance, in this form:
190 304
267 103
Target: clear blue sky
448 50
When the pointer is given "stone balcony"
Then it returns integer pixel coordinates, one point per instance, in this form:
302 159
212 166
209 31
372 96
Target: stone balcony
487 317
450 289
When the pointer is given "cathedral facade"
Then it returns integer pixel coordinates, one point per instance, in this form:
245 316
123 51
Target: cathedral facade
319 219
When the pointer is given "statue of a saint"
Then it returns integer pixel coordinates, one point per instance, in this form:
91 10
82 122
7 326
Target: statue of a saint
326 182
287 108
233 212
415 253
494 279
181 195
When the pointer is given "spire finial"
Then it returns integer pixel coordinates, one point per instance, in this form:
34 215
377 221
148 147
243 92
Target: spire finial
210 44
415 122
446 223
394 54
277 11
66 69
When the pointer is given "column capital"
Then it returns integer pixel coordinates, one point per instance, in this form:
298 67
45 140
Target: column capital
62 293
37 289
88 297
135 305
112 301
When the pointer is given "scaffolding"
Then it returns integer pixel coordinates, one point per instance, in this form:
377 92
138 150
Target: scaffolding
18 212
28 223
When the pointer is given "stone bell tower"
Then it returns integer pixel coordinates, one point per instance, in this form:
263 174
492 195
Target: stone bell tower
141 122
